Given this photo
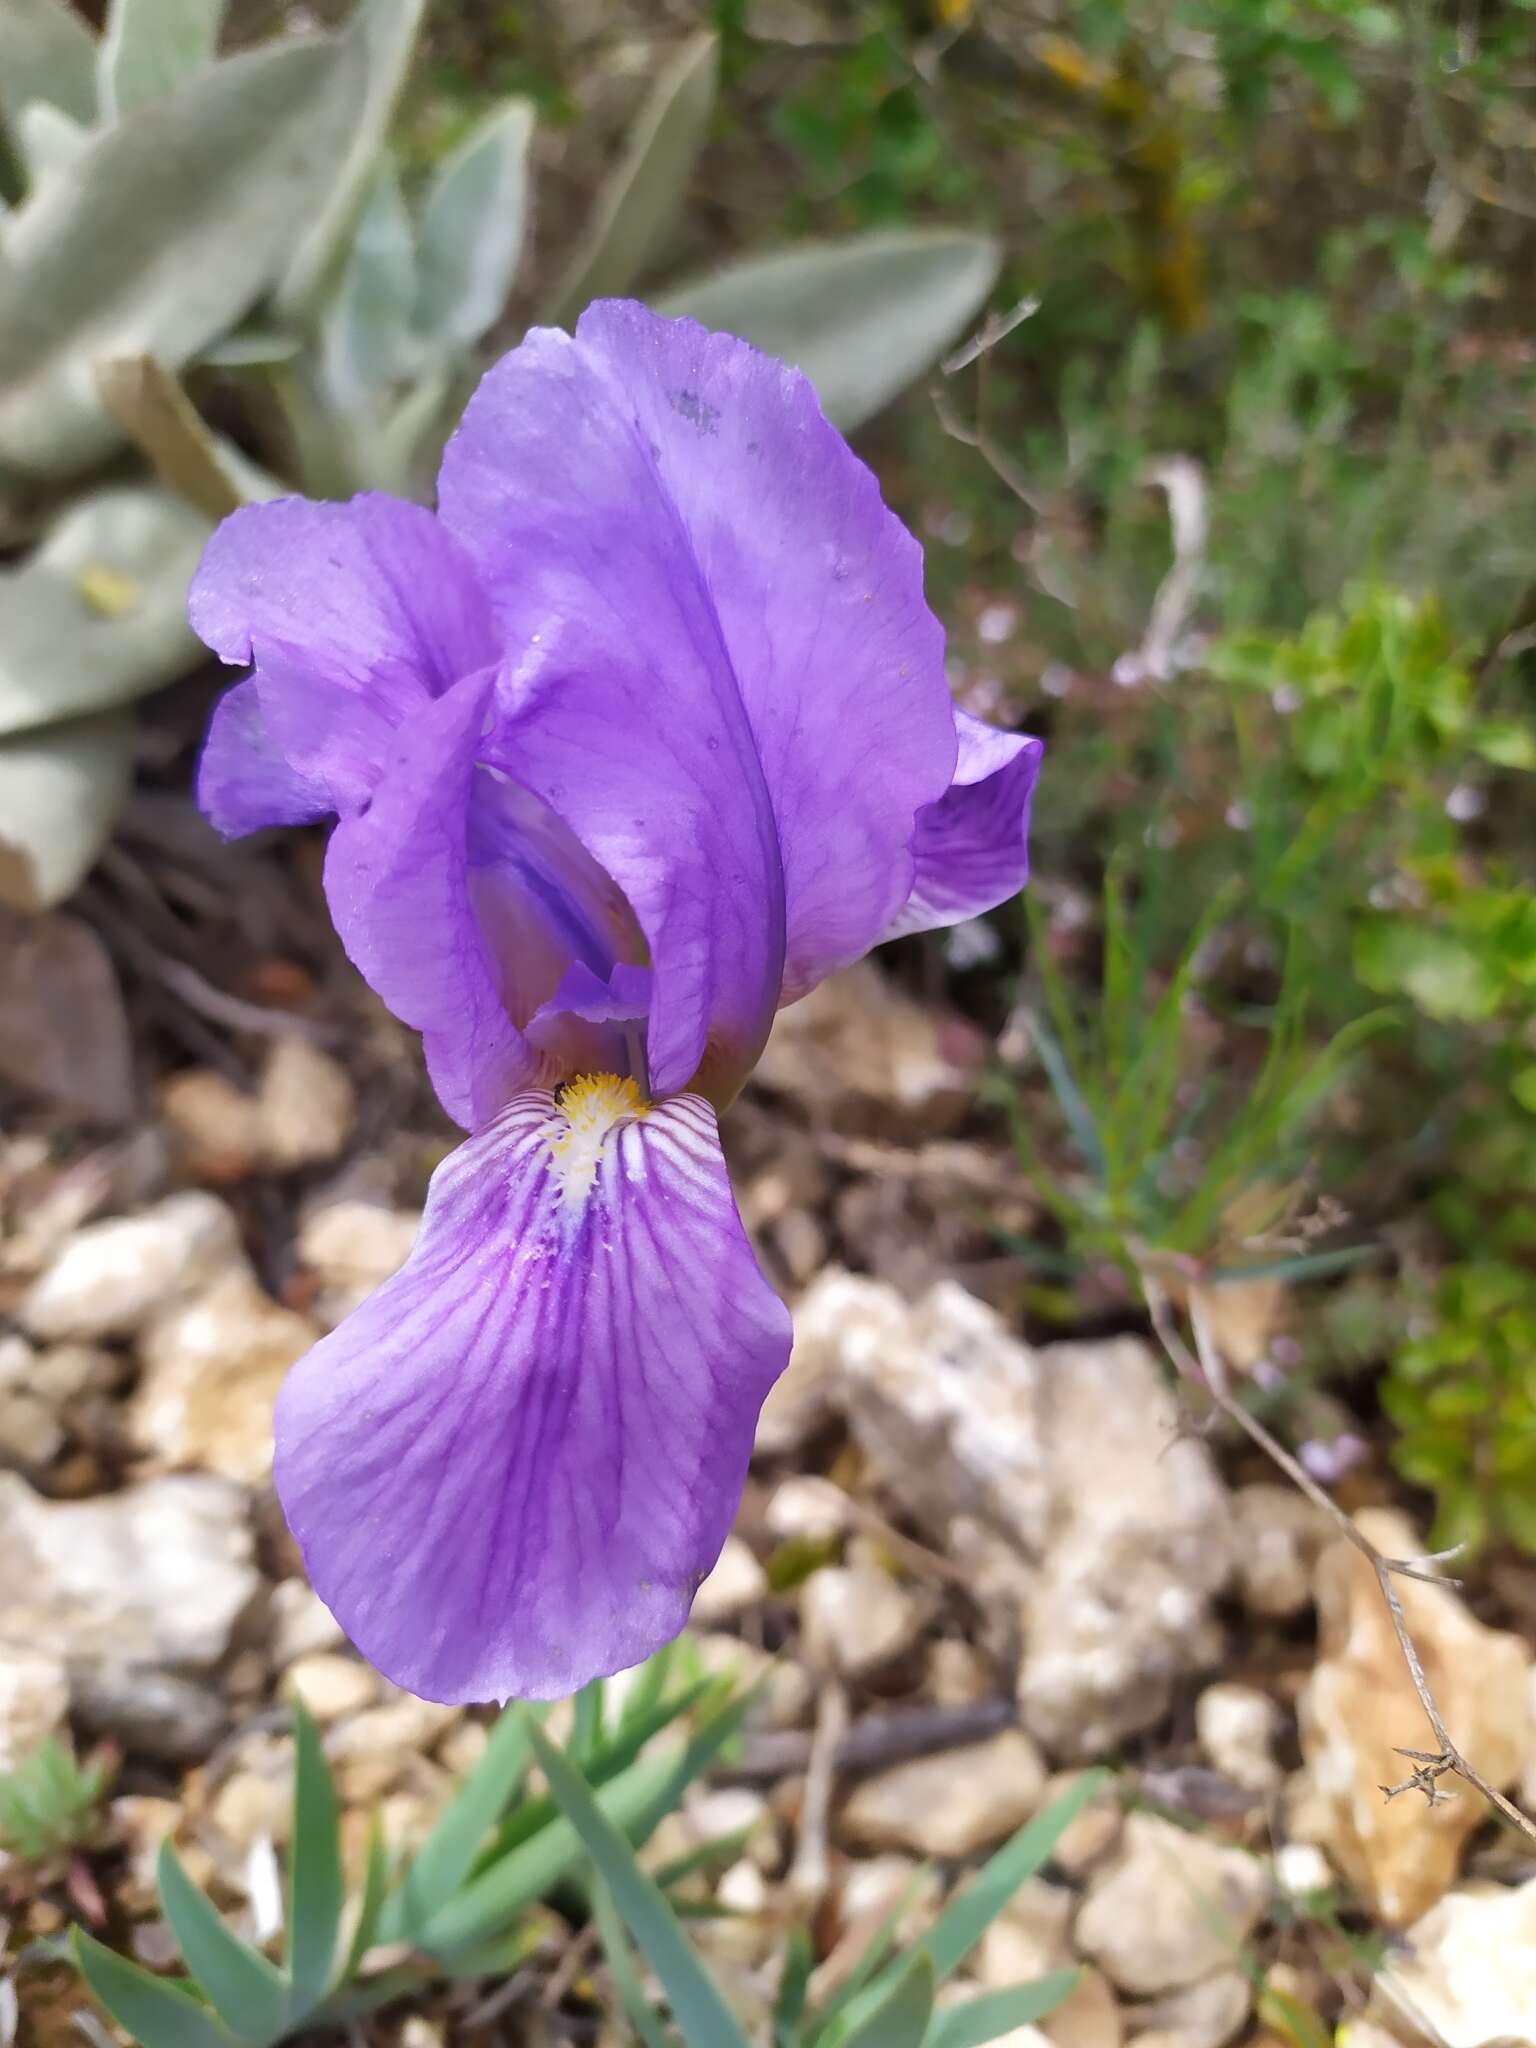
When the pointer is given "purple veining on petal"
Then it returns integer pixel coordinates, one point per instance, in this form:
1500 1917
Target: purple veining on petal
510 1468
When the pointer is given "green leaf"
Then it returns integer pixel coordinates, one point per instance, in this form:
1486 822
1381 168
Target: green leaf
876 1953
149 47
48 139
587 1726
365 337
60 788
1440 972
245 1990
371 1906
448 1854
380 42
97 614
159 235
702 2013
472 229
966 1919
154 411
794 1983
639 200
862 317
899 2017
650 1686
634 1801
621 1965
157 2013
46 53
314 1871
996 2013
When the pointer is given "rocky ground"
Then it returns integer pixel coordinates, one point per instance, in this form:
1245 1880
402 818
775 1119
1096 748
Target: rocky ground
980 1564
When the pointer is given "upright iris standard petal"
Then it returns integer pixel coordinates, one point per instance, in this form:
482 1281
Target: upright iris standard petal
971 848
510 1468
355 616
818 588
740 694
620 708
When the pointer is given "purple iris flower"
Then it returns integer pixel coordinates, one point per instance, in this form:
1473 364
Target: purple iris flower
636 738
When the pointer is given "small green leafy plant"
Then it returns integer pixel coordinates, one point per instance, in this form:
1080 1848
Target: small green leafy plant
1167 1149
462 1905
887 1998
1462 1392
50 1805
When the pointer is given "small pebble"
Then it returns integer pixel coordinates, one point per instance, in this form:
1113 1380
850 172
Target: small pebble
1237 1727
331 1685
855 1619
949 1805
737 1582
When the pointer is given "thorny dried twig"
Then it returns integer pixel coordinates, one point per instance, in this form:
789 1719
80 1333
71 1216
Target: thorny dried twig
1206 1368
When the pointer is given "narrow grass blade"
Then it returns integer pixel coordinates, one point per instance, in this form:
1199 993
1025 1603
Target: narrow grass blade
448 1855
314 1870
621 1966
794 1983
375 1878
155 2011
634 1801
587 1731
966 1919
876 1954
900 2017
996 2013
247 1993
703 2014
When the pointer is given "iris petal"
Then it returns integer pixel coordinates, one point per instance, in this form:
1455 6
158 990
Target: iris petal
243 782
971 848
509 1469
818 589
354 616
397 878
619 707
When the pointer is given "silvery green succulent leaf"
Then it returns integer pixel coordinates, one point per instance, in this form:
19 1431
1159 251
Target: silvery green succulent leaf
48 139
640 200
97 614
46 53
159 235
472 229
149 47
366 342
60 788
861 317
381 38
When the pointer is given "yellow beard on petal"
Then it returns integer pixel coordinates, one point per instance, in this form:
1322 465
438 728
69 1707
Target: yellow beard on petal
587 1111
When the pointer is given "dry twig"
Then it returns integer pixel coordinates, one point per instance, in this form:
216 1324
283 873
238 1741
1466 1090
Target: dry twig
1205 1367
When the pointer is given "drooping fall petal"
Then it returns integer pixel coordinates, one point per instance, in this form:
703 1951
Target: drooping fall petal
510 1468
